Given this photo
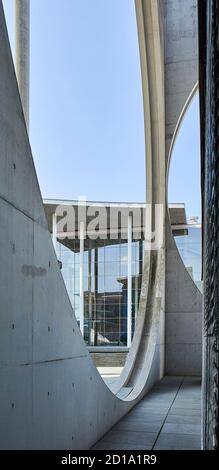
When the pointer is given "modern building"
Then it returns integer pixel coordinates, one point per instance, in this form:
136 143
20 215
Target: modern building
52 396
103 276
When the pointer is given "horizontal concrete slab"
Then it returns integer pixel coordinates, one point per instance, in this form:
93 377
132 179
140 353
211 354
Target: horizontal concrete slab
179 442
154 425
131 437
181 419
181 428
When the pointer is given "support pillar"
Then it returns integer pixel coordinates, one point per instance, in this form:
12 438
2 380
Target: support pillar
82 277
54 231
22 52
129 296
90 296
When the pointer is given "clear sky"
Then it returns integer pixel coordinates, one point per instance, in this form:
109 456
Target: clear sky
86 111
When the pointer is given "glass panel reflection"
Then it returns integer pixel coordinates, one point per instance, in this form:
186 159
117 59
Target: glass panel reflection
189 246
105 280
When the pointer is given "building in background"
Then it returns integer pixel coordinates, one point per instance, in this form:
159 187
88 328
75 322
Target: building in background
103 277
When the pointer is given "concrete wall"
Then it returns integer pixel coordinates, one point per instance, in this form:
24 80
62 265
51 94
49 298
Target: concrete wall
51 395
48 393
183 351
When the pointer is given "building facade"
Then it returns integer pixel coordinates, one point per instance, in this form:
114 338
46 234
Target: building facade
103 275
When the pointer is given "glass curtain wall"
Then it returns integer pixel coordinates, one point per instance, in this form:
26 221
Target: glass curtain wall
105 275
189 246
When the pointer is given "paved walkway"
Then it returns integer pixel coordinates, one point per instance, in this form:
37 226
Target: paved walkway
168 418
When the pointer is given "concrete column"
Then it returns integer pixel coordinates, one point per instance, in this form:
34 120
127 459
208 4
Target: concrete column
95 323
90 295
54 231
82 277
129 297
22 52
136 297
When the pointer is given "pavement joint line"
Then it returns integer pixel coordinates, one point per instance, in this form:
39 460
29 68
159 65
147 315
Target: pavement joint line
177 391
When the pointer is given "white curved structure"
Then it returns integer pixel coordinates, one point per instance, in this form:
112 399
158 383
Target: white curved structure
52 395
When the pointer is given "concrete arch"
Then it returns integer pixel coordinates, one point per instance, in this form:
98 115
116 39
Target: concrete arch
146 356
177 129
52 395
183 301
179 123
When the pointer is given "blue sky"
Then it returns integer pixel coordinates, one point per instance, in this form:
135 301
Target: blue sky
86 111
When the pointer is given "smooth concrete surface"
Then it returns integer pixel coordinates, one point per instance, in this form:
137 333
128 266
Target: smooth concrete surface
22 52
52 395
183 301
169 66
181 62
183 310
168 418
110 374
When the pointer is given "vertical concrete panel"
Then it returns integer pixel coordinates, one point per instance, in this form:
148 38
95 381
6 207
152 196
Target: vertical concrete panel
183 351
183 299
16 240
51 394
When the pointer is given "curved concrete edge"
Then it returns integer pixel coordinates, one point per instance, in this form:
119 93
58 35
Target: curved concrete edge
52 395
192 93
180 59
144 366
183 310
183 304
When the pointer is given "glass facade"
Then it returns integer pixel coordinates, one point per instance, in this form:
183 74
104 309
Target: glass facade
105 279
190 249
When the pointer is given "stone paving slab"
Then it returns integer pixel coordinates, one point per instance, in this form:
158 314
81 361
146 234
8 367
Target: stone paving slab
179 442
186 404
181 428
150 409
131 438
181 419
146 418
184 412
168 418
115 446
139 426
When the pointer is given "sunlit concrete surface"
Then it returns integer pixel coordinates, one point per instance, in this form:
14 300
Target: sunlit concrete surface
169 418
110 374
52 396
22 43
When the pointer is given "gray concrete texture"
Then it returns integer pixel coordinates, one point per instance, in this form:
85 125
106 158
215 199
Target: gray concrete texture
22 52
163 428
52 395
183 303
48 396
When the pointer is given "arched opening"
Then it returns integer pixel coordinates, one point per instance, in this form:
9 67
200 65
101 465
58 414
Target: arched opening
87 136
184 190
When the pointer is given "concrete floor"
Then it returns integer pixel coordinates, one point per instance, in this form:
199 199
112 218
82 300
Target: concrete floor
168 418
